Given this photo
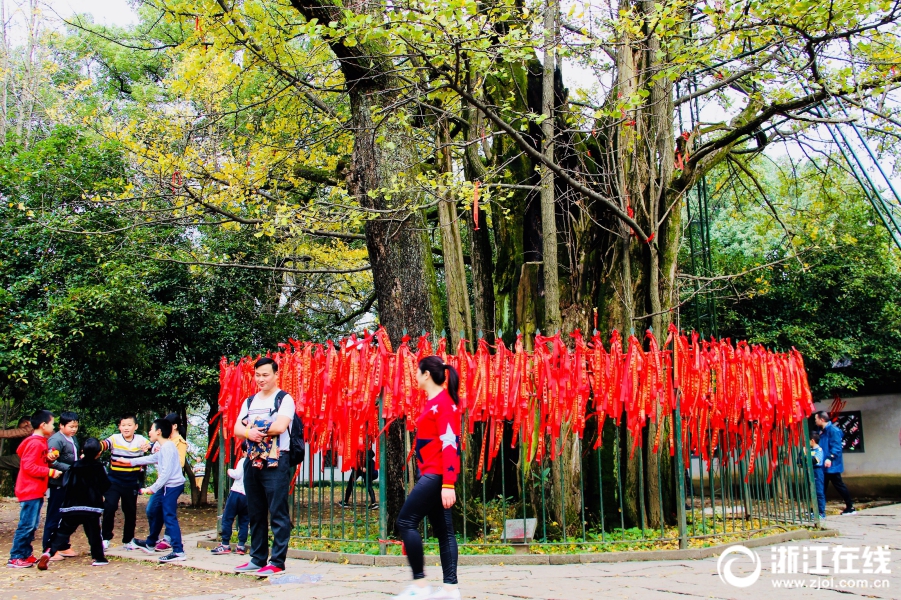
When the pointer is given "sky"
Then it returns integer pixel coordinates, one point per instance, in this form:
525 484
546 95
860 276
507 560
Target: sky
107 12
121 12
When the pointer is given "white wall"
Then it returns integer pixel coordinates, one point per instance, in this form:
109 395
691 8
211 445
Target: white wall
876 470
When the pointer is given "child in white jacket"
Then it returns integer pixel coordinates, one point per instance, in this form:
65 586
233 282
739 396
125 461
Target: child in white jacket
235 506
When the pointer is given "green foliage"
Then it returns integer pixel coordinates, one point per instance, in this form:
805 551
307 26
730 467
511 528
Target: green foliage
833 293
92 323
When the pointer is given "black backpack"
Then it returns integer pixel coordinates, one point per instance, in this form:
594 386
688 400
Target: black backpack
297 449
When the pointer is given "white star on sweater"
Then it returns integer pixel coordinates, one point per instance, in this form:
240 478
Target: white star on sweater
434 409
448 439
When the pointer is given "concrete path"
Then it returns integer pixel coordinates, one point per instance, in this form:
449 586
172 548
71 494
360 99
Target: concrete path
672 580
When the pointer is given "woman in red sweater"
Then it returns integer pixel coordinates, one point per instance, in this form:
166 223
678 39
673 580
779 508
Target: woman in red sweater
438 458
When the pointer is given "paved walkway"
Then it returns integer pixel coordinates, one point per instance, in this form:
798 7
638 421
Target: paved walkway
671 580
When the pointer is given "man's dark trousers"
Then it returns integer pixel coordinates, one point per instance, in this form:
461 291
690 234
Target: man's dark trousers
267 499
836 480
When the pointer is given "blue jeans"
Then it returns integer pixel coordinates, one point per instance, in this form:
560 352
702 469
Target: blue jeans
819 479
164 511
29 517
235 506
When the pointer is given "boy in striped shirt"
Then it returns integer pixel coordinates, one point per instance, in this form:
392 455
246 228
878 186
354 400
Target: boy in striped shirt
125 479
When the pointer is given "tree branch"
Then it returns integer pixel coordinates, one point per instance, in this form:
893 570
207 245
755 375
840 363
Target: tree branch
364 308
719 84
532 152
260 267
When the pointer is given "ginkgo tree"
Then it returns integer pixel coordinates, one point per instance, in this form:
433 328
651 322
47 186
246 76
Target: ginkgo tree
426 129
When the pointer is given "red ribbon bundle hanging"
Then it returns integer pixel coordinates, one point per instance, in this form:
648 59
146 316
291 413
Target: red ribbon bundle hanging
738 398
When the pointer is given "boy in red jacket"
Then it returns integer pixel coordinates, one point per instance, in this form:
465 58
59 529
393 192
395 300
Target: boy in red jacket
31 485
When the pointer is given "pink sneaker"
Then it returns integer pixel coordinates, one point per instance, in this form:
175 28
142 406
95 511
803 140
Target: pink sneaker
269 570
163 546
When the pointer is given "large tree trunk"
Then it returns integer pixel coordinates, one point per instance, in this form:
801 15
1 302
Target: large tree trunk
479 237
399 251
548 205
459 314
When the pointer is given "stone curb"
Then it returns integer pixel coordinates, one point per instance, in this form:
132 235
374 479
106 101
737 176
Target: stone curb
556 559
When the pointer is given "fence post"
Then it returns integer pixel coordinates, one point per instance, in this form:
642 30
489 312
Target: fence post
680 472
220 481
814 506
383 476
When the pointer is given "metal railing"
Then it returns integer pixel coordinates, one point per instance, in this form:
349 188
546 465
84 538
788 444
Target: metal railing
593 497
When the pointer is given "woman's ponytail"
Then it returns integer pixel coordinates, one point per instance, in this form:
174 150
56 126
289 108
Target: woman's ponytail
453 384
437 369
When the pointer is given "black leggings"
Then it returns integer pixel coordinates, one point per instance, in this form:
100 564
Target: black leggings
425 501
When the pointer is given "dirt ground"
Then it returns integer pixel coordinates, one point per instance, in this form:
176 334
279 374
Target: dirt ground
75 578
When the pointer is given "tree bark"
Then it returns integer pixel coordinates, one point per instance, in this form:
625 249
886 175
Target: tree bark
458 309
548 205
399 249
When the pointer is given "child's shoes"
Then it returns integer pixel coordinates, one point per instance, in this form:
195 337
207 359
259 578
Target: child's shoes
44 561
173 556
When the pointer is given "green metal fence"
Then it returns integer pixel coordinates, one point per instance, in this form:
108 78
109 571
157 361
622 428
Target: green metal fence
591 498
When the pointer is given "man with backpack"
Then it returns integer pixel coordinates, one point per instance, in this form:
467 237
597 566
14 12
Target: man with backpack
274 436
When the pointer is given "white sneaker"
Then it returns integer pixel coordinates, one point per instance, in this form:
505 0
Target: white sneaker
106 544
130 546
446 593
414 592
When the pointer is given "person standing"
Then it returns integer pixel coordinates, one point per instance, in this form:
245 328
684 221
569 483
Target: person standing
31 485
438 458
833 465
235 508
265 421
170 483
816 458
64 442
125 479
181 445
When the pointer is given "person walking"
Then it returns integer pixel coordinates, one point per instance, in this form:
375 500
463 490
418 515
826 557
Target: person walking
265 421
86 482
833 465
438 458
368 473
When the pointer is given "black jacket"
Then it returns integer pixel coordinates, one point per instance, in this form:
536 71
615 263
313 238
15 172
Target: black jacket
86 482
